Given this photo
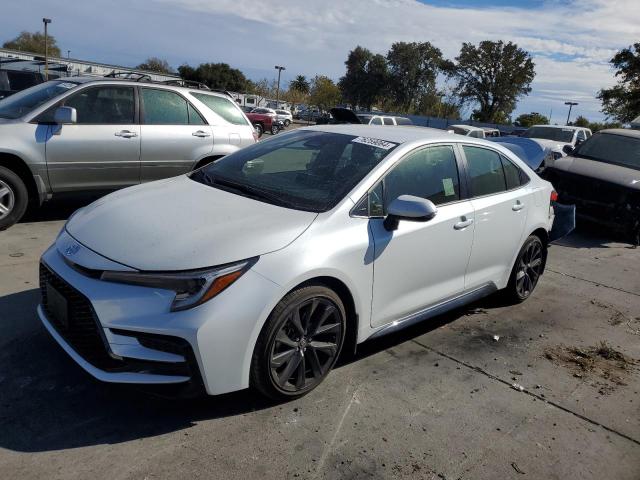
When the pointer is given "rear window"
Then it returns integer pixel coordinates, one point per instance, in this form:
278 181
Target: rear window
610 148
403 121
223 107
564 135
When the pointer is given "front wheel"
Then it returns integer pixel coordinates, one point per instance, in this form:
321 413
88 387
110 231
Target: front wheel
275 129
14 198
527 270
299 344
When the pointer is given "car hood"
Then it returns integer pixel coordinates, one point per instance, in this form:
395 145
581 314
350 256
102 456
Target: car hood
550 144
623 176
180 224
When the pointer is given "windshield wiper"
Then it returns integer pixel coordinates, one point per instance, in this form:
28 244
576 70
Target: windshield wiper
251 190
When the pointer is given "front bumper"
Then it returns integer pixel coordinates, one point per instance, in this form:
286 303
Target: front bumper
142 341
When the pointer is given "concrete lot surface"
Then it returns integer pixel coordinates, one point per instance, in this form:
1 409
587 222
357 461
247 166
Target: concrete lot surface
433 402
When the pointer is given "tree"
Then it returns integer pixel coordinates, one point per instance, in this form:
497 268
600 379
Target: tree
215 75
526 120
622 101
324 93
581 121
413 69
492 75
261 89
155 64
365 79
300 84
34 43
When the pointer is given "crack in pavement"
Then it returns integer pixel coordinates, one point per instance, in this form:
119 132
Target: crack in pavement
598 284
528 392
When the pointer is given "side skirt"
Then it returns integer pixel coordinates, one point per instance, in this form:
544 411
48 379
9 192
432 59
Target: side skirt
436 310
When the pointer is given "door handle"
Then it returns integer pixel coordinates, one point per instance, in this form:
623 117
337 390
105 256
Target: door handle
518 206
126 134
464 223
201 134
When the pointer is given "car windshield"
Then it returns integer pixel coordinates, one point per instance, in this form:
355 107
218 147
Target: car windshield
303 169
610 148
28 100
564 135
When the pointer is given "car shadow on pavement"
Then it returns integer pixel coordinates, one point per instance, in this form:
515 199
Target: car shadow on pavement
592 236
59 208
48 403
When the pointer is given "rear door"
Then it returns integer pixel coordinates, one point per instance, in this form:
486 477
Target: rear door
174 134
231 127
501 204
101 150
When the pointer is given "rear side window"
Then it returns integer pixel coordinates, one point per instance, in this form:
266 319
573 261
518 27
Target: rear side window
194 117
388 121
223 107
162 107
403 121
485 171
512 174
376 121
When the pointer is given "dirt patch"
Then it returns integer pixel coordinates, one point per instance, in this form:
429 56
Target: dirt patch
601 362
616 317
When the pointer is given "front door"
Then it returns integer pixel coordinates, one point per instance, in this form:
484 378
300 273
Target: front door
174 134
101 150
421 263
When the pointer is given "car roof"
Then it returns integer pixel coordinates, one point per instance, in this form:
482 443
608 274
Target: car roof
390 133
129 81
466 127
564 127
622 131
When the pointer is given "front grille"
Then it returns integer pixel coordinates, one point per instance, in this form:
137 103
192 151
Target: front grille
82 332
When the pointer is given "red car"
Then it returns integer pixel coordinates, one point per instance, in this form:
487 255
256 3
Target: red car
265 121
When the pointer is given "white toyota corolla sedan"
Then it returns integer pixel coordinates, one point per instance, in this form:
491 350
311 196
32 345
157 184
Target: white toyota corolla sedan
259 269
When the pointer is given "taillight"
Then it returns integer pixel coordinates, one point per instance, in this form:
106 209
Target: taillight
554 196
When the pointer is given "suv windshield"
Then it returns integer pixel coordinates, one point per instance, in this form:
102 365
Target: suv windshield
303 170
28 100
564 135
610 148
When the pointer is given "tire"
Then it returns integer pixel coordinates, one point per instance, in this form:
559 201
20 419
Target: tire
288 361
259 128
274 129
287 123
527 270
14 198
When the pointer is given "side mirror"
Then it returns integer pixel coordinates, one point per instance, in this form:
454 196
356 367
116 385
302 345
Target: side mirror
64 115
411 208
568 149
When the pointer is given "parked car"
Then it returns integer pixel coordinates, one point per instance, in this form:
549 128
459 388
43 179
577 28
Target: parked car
12 81
285 117
265 111
370 119
261 121
468 131
93 134
527 150
556 137
491 132
259 269
602 177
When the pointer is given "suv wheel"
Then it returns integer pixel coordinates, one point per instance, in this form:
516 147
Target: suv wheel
527 270
299 344
13 198
287 123
259 129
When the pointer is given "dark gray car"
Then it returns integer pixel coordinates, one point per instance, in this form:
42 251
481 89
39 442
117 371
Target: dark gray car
602 177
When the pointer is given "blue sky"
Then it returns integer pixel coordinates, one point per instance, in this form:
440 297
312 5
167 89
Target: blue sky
571 41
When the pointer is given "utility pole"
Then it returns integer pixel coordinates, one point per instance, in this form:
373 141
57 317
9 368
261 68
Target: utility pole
68 54
279 68
46 22
571 104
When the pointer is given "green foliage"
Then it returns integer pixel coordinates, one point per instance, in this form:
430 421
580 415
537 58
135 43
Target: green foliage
34 43
300 85
526 120
155 64
492 75
595 126
622 101
215 75
366 78
413 69
324 92
581 121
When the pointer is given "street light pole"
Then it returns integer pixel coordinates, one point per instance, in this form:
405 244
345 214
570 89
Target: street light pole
46 22
571 104
279 68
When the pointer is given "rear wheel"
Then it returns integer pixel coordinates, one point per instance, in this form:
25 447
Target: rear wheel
287 123
299 344
259 129
14 198
527 270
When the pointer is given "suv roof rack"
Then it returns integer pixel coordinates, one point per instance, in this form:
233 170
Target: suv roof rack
133 76
179 82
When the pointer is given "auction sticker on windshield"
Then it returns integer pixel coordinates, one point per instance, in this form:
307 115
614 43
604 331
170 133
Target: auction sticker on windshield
375 142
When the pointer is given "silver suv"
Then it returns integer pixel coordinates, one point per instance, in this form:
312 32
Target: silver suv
91 133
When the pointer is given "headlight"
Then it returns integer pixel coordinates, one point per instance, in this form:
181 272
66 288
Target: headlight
192 288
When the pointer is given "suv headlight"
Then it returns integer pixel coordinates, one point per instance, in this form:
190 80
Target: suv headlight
192 288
